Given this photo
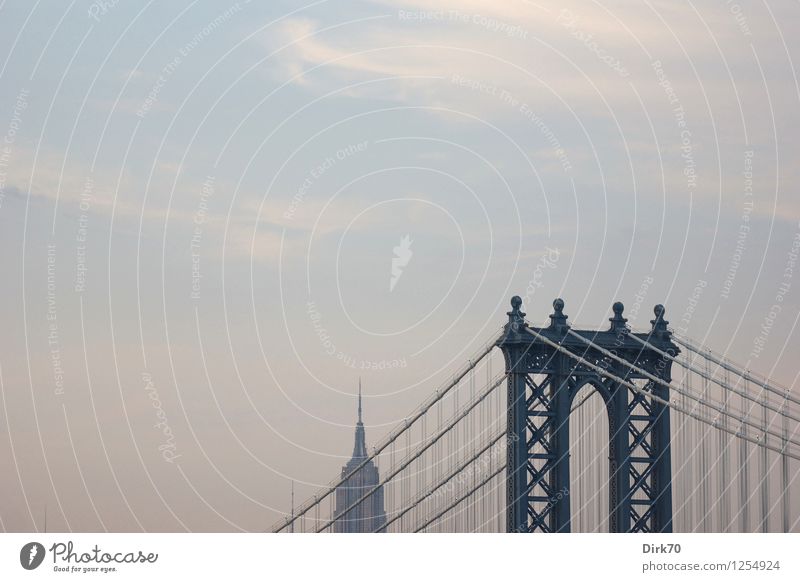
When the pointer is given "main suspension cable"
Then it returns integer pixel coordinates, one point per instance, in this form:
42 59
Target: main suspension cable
655 398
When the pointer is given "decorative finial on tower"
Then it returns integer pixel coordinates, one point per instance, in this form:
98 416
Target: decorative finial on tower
516 317
618 323
359 399
659 323
558 321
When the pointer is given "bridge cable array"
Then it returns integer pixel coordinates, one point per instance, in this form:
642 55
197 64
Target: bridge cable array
447 460
720 423
600 370
415 422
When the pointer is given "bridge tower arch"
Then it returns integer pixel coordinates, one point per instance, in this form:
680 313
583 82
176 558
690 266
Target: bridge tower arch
546 368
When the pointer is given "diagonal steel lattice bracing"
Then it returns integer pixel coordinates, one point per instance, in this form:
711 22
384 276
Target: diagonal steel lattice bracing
546 368
471 458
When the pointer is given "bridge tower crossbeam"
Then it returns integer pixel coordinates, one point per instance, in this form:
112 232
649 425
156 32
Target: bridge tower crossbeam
543 380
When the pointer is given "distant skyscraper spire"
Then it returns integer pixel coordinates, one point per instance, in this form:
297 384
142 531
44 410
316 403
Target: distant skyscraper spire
360 447
360 478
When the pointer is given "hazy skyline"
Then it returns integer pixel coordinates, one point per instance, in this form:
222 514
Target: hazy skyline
216 217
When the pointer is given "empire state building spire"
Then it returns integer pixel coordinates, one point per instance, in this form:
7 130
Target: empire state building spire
359 499
360 447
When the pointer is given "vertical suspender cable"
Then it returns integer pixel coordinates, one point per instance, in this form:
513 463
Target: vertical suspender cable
744 479
690 476
704 456
785 474
764 468
725 481
680 461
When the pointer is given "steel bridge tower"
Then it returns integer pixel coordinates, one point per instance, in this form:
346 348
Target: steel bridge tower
543 379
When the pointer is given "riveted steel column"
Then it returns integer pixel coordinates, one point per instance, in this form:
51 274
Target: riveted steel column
561 515
515 344
517 446
619 461
662 473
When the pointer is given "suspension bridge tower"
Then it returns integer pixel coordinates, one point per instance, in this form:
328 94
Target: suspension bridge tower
546 368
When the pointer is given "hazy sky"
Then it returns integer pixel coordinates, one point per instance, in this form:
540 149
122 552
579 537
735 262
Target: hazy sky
200 204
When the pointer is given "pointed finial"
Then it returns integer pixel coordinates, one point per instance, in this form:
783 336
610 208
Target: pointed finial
516 317
360 448
359 399
618 323
659 323
558 321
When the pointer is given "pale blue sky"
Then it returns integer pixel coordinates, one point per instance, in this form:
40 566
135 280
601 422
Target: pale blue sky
489 133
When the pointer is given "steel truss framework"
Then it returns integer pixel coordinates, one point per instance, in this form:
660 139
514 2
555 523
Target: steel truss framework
542 383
